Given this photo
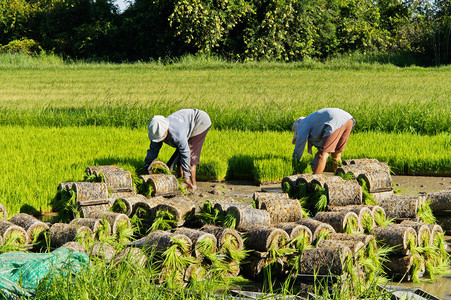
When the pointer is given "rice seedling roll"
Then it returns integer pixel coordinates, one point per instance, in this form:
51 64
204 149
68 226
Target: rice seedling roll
364 213
158 167
224 206
423 232
402 206
204 243
145 209
180 207
160 241
247 218
445 223
359 161
403 238
377 181
264 238
90 190
354 246
66 186
357 238
13 233
75 246
95 170
319 229
440 202
260 197
290 180
294 230
324 260
130 255
128 205
436 232
115 220
33 226
3 212
398 264
195 272
161 184
99 227
341 221
348 192
103 251
255 266
282 210
231 237
118 179
61 233
352 171
382 196
323 179
86 211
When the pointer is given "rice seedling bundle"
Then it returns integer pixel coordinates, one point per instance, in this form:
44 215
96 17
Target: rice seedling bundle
226 237
117 221
423 232
129 205
402 206
12 233
61 233
366 218
100 227
244 219
325 260
260 197
354 161
348 192
263 238
90 190
180 208
75 246
87 210
204 243
290 180
440 202
282 210
118 180
161 184
319 229
322 179
296 230
403 238
341 221
160 241
377 181
103 251
131 255
224 206
33 226
3 212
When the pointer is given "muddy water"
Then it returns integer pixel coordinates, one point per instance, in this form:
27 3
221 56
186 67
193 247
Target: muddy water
410 185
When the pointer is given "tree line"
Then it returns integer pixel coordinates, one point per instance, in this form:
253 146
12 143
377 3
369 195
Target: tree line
239 30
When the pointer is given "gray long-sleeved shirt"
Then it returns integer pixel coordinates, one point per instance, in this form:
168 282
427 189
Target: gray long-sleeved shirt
183 124
318 125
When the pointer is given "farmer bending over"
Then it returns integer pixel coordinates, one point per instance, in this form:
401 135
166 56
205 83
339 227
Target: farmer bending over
184 130
328 130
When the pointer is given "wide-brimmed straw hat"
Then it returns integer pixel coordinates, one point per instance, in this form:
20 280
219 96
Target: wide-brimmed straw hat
157 127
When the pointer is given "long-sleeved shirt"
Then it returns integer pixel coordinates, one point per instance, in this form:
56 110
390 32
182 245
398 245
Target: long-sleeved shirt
183 124
317 125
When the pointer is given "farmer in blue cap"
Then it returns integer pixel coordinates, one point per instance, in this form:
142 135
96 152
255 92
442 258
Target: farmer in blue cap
184 130
328 130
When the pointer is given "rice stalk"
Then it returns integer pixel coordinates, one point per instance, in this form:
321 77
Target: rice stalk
425 213
415 270
173 264
368 199
319 199
158 169
65 204
206 248
102 233
163 220
210 215
142 187
124 233
304 202
412 243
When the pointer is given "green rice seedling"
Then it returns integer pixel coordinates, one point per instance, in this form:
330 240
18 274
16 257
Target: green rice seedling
440 243
380 219
352 226
210 215
206 248
322 235
346 176
65 204
173 263
367 223
124 233
163 220
119 206
425 213
102 233
141 187
318 201
230 220
94 178
368 199
13 242
229 247
415 270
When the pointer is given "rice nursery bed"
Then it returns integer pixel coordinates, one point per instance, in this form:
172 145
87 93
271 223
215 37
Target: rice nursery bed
192 246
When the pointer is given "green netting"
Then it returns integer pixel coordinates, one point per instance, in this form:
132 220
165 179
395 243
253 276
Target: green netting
21 273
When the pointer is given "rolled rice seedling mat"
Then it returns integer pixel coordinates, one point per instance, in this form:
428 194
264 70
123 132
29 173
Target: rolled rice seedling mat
294 230
127 205
115 220
66 186
323 179
445 223
404 239
196 272
103 251
254 266
365 214
146 209
86 211
181 207
263 238
33 226
341 221
436 232
116 178
11 232
290 180
204 243
61 233
282 210
99 169
231 237
96 225
382 196
116 195
325 260
161 241
319 229
358 238
423 232
359 161
247 218
350 171
260 197
354 246
161 184
377 181
3 212
75 246
440 202
224 206
348 192
90 191
158 167
131 255
402 206
408 268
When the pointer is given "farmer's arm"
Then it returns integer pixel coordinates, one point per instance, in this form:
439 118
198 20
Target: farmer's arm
152 153
185 156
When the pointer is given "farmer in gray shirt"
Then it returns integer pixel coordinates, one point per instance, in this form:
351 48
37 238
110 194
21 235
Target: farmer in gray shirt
184 130
328 130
